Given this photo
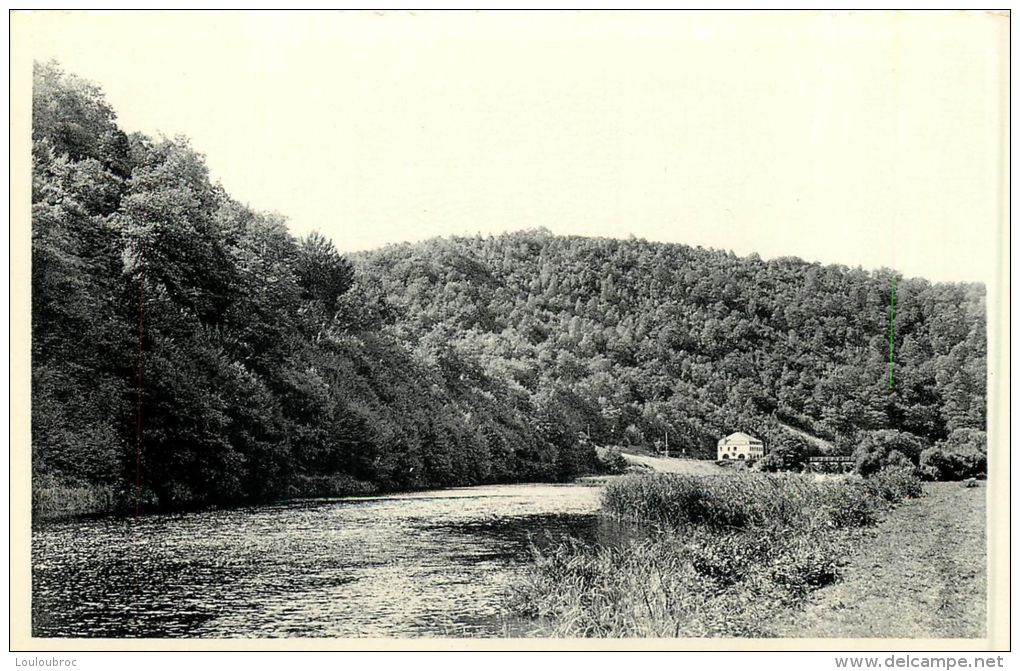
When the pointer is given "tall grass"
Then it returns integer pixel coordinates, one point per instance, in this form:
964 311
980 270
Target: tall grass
739 500
695 585
733 551
56 502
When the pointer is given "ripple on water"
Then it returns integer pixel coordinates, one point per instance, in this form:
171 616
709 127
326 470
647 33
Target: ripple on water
420 564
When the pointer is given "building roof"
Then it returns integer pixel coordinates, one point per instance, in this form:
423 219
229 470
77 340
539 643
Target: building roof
740 435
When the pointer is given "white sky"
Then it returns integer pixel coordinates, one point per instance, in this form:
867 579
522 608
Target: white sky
870 139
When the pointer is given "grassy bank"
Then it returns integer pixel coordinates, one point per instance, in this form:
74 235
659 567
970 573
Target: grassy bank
920 574
731 554
62 502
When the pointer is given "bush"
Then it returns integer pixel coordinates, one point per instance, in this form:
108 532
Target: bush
610 460
790 456
330 486
887 448
774 433
964 454
895 483
55 502
850 504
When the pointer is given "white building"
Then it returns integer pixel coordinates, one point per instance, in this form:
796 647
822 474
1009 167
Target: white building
741 446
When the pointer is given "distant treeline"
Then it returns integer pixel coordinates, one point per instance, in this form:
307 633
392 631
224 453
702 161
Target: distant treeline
635 340
272 366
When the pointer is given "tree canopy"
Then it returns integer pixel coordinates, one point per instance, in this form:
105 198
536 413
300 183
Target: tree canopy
649 338
262 365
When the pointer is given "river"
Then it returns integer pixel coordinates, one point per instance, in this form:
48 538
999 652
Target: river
431 563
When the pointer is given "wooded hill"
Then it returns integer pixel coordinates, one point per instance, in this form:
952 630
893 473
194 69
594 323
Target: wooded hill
632 340
261 365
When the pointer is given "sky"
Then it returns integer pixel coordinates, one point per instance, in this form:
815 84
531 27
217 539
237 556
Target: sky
871 139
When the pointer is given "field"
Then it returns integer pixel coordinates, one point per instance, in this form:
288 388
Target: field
751 555
662 465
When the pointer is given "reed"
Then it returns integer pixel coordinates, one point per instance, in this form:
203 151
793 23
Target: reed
741 500
732 552
697 584
60 502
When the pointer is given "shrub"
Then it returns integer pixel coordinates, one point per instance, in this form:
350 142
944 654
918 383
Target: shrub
851 505
575 459
964 454
803 562
329 486
610 460
783 458
895 483
887 448
896 459
55 501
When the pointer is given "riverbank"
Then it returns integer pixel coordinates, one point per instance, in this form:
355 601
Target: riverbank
66 502
920 574
730 555
56 503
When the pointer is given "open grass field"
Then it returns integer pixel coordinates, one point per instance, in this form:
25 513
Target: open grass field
919 574
661 465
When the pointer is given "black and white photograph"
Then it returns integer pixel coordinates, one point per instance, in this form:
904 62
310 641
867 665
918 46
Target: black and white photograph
448 328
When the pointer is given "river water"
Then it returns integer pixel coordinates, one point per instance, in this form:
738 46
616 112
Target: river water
422 564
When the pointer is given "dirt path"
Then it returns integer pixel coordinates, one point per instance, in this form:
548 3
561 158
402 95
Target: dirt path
919 574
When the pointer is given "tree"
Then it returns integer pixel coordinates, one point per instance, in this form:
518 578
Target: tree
788 457
325 276
70 116
80 348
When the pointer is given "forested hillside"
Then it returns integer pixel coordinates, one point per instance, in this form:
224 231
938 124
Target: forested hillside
634 340
181 338
264 370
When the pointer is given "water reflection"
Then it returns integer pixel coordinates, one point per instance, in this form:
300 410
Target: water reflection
423 564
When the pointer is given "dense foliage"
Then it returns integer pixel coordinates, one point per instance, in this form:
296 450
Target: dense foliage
261 365
258 365
964 454
634 341
784 457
